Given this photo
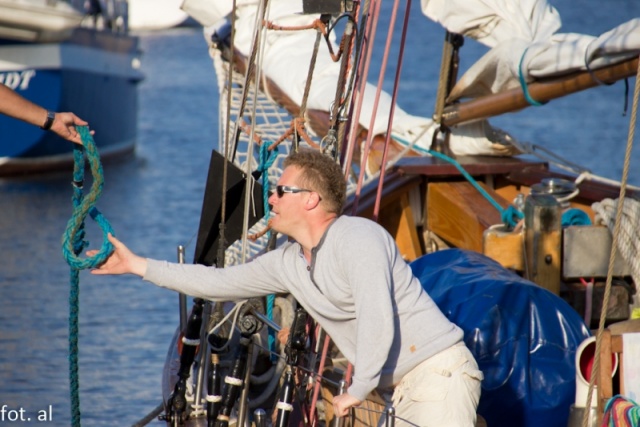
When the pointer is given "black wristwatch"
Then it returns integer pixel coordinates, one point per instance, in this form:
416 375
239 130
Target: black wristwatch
50 118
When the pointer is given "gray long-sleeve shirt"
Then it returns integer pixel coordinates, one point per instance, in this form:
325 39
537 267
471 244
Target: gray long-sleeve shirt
357 287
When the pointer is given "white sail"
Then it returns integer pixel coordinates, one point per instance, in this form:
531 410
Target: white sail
285 60
524 38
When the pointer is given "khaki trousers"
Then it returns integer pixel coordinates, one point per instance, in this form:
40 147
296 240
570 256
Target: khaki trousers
442 391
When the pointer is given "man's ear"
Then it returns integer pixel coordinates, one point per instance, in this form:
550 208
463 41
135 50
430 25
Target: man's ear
313 199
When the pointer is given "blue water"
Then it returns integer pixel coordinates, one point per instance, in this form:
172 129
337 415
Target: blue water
153 202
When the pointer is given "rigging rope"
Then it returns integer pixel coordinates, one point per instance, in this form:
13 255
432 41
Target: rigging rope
249 72
614 245
394 95
510 215
73 243
369 141
226 138
369 26
258 49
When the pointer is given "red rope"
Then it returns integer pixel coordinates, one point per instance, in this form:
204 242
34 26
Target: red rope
361 80
405 25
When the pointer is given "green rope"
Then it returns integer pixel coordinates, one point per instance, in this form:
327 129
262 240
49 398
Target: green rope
523 83
510 216
267 158
73 243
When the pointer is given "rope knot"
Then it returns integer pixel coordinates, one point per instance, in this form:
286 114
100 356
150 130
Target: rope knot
73 240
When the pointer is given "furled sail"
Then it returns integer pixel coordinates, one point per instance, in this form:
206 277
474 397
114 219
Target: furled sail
285 60
524 39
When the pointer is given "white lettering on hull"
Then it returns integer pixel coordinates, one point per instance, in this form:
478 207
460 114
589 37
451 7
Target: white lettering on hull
17 80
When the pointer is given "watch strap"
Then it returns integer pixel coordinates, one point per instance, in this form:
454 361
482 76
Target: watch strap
50 118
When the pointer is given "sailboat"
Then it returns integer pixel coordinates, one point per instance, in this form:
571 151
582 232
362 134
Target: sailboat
68 56
513 250
147 15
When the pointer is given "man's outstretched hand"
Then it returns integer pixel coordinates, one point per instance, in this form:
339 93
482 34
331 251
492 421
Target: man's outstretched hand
121 261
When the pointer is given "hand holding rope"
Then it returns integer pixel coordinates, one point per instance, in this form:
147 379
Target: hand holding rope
73 239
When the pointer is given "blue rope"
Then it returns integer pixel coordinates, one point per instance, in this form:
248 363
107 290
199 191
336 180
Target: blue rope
73 243
575 216
510 216
267 158
523 83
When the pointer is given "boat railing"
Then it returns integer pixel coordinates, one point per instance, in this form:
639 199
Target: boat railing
111 15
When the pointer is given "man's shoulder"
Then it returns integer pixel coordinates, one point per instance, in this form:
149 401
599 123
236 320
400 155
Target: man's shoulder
284 250
356 221
350 225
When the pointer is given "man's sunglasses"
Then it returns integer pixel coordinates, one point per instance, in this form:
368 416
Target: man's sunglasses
282 189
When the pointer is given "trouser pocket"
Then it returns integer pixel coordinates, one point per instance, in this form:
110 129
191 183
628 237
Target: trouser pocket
430 385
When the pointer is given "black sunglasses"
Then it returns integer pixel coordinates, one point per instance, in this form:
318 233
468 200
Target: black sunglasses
282 189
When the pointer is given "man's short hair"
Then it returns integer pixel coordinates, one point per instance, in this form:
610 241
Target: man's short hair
321 174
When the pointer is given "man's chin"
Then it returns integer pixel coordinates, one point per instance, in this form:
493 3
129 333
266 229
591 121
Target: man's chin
275 227
280 230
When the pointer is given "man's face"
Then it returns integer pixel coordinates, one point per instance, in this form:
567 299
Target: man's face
288 208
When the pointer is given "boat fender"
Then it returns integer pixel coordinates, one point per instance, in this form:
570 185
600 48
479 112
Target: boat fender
585 355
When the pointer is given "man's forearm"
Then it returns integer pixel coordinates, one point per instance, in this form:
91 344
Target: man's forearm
14 105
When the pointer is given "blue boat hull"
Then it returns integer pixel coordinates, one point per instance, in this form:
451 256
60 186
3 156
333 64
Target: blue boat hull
93 74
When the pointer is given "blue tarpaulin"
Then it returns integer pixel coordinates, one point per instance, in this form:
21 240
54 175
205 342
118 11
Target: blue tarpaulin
523 336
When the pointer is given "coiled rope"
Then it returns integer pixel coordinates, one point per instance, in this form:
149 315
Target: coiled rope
628 243
73 243
621 411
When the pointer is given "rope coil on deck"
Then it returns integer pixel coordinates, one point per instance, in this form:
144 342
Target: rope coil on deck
628 243
73 243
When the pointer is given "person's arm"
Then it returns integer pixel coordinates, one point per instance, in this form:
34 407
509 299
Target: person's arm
260 277
64 124
371 283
